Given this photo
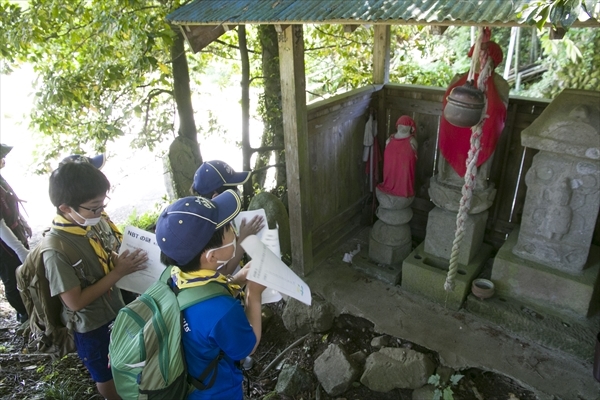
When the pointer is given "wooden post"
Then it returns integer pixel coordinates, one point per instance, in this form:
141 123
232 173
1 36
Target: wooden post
381 54
293 91
381 76
517 59
511 51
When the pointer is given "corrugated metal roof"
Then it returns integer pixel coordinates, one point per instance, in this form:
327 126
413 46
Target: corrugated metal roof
472 12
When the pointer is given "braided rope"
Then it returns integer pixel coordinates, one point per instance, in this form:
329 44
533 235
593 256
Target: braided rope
470 175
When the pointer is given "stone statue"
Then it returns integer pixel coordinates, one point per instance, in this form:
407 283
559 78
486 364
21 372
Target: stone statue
399 160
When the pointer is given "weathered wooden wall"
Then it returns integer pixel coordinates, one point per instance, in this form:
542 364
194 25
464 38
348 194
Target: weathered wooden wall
337 175
336 127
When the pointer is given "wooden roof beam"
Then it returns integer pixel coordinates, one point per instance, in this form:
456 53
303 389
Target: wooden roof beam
200 36
438 29
280 28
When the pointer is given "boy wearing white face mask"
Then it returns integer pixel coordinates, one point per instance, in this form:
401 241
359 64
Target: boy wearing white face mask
195 236
86 288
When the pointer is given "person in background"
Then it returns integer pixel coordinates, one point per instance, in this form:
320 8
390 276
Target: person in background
14 232
210 180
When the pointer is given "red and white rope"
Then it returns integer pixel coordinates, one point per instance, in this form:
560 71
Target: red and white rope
471 173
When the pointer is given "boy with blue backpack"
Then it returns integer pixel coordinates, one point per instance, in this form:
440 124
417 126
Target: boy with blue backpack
183 338
196 236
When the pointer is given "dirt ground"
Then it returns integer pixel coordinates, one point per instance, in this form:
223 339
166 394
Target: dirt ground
25 374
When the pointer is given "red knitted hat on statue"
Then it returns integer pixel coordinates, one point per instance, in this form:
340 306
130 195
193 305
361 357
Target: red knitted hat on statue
407 121
494 51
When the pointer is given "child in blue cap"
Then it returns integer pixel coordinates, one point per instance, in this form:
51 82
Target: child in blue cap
215 177
196 237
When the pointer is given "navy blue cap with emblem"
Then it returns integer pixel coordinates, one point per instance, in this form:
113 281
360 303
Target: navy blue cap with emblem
213 175
185 227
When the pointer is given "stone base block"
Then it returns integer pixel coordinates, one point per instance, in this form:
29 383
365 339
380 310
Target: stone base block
386 273
539 285
576 337
425 274
391 235
387 254
441 226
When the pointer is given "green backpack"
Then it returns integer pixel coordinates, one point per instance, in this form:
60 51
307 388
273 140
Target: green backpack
46 329
146 354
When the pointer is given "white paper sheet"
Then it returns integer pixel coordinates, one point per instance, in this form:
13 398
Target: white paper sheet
133 239
268 270
248 215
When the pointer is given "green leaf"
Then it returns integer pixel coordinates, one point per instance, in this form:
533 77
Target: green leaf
448 394
454 379
434 380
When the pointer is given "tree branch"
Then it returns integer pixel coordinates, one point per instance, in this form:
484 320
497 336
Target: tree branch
280 165
152 94
267 148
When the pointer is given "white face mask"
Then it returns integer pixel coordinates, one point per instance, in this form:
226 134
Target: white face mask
86 221
233 243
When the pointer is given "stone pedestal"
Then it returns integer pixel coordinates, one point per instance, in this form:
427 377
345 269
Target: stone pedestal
545 287
425 269
425 274
390 240
441 226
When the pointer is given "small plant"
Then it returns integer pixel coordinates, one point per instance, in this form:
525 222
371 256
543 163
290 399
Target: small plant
443 390
147 220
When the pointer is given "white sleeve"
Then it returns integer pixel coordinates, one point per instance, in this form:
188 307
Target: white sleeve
8 237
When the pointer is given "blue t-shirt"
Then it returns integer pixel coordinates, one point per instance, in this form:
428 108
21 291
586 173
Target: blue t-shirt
209 327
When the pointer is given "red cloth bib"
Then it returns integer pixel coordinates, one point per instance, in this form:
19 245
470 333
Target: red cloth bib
399 161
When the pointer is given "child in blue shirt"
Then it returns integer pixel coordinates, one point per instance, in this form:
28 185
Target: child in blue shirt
196 237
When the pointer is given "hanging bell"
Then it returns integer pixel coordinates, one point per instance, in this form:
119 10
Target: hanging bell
465 105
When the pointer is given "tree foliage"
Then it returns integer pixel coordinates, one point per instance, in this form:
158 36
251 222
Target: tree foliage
559 13
103 66
568 66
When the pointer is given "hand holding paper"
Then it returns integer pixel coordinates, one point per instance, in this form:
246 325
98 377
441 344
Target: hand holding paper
134 239
268 270
248 216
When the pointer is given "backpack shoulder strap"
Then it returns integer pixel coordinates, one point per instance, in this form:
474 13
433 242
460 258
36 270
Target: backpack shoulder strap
55 242
194 295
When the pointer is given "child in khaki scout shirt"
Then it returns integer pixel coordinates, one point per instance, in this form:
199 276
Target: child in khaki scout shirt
86 288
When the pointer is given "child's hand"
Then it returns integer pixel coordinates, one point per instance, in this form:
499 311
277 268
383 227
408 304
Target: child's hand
241 276
252 227
129 262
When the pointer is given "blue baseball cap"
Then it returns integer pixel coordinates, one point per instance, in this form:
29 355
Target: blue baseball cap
212 175
185 227
97 161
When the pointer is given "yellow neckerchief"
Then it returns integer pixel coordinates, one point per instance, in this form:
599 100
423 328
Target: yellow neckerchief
201 277
113 227
62 224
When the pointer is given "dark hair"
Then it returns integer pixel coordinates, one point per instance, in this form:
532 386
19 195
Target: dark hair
210 195
215 241
75 183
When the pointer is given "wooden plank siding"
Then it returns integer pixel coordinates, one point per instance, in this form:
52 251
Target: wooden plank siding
339 186
337 173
